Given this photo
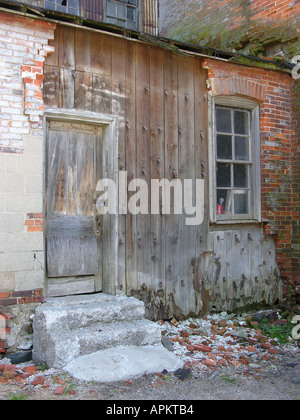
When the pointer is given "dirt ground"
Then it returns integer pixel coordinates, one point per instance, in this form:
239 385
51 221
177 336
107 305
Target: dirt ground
234 367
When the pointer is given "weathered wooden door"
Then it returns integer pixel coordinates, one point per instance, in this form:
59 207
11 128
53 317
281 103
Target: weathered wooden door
73 229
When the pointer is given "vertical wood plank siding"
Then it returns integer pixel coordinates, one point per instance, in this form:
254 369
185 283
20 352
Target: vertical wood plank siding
159 101
152 93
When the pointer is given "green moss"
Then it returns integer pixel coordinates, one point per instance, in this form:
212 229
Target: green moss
215 30
264 64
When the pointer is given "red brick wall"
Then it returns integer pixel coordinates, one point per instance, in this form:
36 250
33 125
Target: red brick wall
279 153
296 189
228 24
20 297
23 48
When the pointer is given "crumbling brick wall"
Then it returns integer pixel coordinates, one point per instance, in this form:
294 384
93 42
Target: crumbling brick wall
23 48
248 26
279 128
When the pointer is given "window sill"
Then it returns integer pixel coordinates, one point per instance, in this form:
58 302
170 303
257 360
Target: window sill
234 222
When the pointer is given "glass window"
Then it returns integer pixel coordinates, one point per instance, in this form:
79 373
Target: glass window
122 13
234 165
65 6
224 147
241 148
223 120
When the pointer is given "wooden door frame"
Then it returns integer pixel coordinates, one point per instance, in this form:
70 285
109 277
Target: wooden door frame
110 162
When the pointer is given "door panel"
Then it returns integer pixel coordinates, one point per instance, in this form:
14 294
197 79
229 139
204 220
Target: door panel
71 256
72 231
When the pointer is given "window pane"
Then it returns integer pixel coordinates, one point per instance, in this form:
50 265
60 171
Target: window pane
240 176
241 148
111 8
224 200
224 147
223 175
72 3
223 120
121 11
241 203
241 124
131 13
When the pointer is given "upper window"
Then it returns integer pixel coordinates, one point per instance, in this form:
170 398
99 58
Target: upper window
122 13
70 7
235 152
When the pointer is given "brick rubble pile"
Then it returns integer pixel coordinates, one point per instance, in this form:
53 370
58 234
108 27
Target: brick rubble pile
226 340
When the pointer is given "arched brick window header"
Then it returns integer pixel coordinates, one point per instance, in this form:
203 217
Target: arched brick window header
237 86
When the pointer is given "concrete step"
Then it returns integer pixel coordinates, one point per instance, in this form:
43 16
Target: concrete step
67 328
74 312
59 347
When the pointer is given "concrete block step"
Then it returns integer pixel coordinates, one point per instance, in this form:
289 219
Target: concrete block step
66 328
74 312
59 347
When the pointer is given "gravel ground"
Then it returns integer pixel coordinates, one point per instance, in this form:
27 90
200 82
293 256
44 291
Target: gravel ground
232 366
282 383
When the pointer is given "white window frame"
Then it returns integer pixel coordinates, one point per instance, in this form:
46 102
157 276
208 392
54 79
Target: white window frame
254 214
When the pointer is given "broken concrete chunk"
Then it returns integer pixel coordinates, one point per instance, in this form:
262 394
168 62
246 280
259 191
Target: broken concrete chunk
123 363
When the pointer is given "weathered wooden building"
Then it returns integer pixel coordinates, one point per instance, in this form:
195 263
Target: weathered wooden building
95 98
150 111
